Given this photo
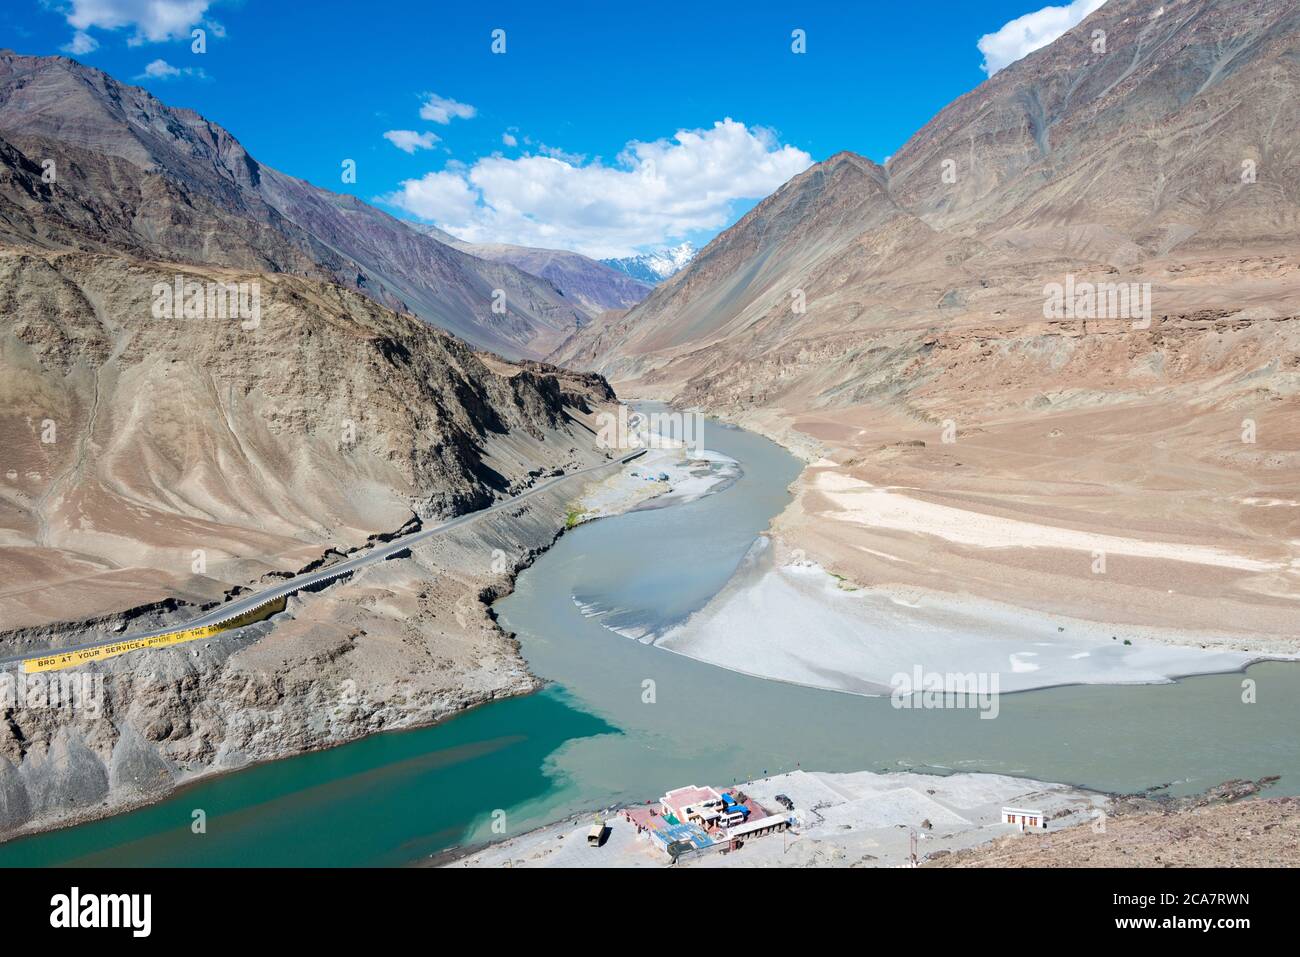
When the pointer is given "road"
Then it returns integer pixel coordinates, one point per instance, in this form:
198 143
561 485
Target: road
289 586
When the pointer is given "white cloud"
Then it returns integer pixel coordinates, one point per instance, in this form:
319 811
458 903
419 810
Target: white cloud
654 192
443 197
509 139
438 109
408 141
80 44
160 69
573 159
1026 34
154 20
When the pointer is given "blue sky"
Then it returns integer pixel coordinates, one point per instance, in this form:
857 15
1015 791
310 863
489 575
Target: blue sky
305 86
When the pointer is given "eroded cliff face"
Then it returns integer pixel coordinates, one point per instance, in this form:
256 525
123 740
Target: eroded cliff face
157 461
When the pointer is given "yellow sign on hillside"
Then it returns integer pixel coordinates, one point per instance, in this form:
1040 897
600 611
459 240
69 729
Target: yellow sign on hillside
82 656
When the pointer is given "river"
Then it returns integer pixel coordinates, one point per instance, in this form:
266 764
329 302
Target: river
623 721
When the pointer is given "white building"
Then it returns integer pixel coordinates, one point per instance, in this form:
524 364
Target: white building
764 825
693 804
1024 818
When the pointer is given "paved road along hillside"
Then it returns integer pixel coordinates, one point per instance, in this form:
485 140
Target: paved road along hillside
289 586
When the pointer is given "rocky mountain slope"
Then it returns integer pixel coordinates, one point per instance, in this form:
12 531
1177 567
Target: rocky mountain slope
155 464
897 324
203 388
592 286
131 172
1179 143
132 438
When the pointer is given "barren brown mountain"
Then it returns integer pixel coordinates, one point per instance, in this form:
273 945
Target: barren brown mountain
158 457
132 172
895 323
156 465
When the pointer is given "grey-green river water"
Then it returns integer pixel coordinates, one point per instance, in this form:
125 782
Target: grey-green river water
623 720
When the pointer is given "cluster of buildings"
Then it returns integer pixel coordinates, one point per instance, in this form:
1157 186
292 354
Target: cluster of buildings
695 820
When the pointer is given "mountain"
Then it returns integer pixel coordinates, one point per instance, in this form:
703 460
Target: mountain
592 286
902 328
171 426
654 267
154 465
446 238
737 289
324 414
161 454
1129 165
134 173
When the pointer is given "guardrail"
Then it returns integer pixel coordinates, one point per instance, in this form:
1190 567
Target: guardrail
70 659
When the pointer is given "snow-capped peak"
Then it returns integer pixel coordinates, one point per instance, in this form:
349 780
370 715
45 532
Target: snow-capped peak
656 265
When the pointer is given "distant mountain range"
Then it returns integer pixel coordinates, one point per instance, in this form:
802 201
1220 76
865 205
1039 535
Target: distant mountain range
654 267
591 286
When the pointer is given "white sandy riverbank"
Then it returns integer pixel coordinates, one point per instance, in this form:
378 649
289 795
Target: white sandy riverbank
658 479
794 622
